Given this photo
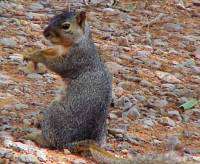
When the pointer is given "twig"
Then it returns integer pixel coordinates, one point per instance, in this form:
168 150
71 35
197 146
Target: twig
155 20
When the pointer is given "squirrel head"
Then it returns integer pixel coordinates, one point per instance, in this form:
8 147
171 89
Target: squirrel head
66 29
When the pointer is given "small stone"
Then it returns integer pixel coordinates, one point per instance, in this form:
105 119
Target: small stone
28 158
154 102
4 80
42 156
196 2
17 58
142 54
133 139
174 113
35 27
172 27
133 112
67 152
196 53
4 135
173 142
167 121
156 142
110 11
125 85
196 112
168 87
115 131
8 143
35 16
6 153
27 122
21 106
34 76
124 103
36 6
123 42
8 42
139 97
160 43
79 161
113 116
196 70
167 77
115 68
146 83
147 122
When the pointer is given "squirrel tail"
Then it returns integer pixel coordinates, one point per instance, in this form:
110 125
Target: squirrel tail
98 153
103 156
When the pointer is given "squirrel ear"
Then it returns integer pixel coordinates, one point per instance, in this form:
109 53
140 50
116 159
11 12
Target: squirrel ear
81 16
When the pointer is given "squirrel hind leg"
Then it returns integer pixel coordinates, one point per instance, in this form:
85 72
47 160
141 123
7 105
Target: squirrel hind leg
36 137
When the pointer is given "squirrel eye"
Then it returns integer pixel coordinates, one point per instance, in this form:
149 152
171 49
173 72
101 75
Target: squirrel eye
65 26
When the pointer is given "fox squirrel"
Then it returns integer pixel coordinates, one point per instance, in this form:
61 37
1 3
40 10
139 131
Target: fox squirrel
77 121
81 112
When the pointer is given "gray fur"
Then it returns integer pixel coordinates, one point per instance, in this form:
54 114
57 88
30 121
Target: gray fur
81 113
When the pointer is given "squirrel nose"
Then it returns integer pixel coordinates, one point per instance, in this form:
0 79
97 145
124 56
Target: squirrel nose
47 34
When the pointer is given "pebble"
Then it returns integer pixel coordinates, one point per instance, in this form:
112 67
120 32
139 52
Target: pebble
133 112
123 41
172 27
34 76
79 161
167 121
160 43
21 106
6 153
35 27
28 158
18 146
173 142
27 122
115 68
126 85
196 53
16 58
154 102
133 139
167 77
147 122
174 113
8 42
124 103
142 54
115 131
42 156
196 2
124 146
4 135
110 11
146 83
36 6
4 80
35 16
168 87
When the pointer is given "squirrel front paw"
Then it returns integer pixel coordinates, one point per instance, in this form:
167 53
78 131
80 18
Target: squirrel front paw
33 55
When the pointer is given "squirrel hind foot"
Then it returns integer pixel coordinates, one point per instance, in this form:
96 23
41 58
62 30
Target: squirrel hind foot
36 137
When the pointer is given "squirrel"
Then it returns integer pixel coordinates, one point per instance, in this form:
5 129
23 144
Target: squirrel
77 121
81 112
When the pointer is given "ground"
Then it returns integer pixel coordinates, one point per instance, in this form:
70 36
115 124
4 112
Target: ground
152 48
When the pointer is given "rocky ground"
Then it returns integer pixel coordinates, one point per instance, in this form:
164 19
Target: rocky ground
153 50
